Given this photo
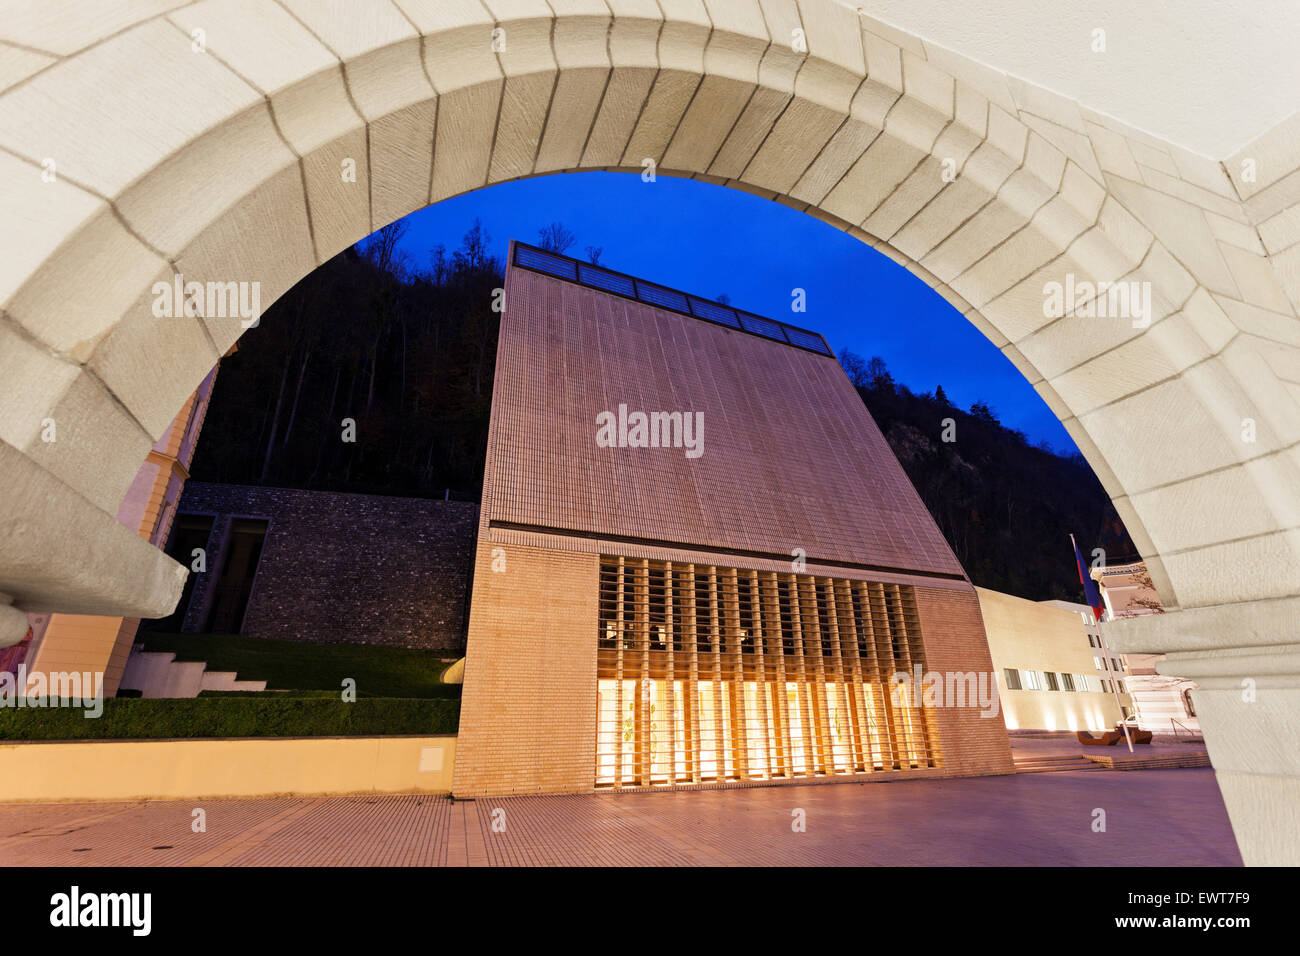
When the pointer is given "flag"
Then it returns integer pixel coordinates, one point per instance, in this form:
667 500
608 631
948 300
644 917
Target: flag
1090 594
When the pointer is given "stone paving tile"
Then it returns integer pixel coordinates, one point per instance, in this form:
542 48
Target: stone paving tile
126 834
408 830
1155 817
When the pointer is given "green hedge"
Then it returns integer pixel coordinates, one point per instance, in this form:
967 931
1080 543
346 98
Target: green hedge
138 719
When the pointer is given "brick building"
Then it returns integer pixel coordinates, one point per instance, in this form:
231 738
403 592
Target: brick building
698 562
324 567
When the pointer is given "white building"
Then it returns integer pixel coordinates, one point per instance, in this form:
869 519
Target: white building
1049 669
1164 704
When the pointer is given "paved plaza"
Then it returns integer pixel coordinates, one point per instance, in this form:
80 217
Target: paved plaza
1152 817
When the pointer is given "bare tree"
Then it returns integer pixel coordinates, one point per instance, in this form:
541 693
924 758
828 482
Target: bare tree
855 367
303 306
473 253
556 238
384 251
878 375
383 248
594 253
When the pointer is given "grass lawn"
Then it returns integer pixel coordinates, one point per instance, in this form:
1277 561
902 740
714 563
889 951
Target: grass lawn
298 666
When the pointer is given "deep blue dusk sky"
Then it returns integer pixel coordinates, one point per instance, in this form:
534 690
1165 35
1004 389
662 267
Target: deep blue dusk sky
710 240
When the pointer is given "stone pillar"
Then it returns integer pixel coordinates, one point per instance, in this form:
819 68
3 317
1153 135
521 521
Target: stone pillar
1246 661
87 643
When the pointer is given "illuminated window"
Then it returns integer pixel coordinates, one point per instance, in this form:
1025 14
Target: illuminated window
709 674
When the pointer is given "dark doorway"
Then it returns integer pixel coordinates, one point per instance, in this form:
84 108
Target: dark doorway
243 550
190 533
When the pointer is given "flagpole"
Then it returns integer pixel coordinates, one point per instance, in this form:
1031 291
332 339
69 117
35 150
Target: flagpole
1114 684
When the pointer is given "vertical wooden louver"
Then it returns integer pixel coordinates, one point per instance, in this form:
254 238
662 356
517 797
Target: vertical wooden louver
711 674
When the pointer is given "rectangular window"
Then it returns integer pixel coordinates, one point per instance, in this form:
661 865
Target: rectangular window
710 674
1012 677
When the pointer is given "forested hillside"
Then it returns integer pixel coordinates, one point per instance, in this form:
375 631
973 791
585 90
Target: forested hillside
1006 506
404 350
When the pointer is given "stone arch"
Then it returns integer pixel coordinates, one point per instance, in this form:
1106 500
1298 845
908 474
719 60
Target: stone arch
209 141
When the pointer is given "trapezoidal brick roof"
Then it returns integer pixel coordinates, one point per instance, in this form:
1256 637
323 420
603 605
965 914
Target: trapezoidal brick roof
791 458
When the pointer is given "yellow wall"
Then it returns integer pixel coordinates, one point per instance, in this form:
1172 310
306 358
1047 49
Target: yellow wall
249 767
1029 635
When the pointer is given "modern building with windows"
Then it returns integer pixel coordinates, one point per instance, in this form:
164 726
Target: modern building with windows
1053 671
698 562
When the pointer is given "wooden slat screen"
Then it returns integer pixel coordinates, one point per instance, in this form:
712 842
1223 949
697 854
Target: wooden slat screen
715 674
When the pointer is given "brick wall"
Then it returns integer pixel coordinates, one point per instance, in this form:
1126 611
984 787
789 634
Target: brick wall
528 714
953 631
345 568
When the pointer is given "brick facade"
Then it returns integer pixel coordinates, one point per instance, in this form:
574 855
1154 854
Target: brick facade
344 568
528 711
955 642
793 465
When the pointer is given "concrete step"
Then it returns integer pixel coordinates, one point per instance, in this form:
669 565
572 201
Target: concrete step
218 680
184 679
1051 764
146 670
1088 767
158 674
1147 760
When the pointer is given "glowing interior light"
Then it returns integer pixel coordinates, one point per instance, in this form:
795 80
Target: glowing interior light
678 702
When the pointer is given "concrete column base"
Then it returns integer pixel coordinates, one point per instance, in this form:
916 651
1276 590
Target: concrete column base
1246 663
